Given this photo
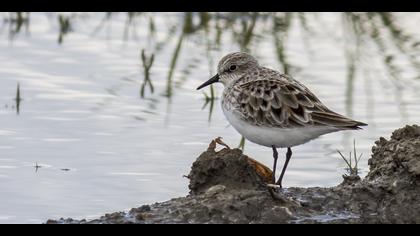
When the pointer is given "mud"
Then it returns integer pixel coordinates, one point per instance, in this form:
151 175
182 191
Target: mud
227 186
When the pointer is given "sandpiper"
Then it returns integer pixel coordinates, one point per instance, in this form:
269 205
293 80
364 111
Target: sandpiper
273 109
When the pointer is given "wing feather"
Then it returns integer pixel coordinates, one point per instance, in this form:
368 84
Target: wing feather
281 101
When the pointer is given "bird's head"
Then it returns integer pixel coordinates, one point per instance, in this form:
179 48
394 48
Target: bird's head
232 67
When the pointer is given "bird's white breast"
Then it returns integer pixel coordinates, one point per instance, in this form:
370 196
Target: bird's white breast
272 136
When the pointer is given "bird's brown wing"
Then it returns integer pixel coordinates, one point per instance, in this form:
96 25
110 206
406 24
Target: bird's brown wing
284 102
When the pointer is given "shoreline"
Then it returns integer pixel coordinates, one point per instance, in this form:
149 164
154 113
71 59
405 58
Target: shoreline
227 186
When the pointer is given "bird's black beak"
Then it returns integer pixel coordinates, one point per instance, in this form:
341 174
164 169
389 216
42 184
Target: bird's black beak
213 79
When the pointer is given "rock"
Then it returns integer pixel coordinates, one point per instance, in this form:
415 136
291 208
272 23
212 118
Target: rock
212 191
228 167
229 187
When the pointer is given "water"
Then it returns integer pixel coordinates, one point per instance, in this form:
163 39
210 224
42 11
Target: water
102 147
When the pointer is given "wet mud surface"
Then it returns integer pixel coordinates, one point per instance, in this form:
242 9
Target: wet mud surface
227 186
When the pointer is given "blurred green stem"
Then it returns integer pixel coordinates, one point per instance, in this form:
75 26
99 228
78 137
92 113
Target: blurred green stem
147 64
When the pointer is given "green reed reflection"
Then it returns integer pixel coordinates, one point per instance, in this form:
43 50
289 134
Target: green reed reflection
147 62
18 99
209 100
281 27
242 143
365 37
17 21
65 27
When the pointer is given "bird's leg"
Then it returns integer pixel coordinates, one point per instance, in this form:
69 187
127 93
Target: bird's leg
275 156
288 156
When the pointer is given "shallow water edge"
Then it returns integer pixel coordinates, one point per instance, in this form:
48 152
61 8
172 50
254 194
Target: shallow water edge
226 187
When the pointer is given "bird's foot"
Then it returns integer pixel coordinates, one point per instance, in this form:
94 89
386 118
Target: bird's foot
274 190
278 182
275 193
281 197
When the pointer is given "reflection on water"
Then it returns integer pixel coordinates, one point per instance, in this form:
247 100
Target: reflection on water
18 99
15 21
103 105
147 64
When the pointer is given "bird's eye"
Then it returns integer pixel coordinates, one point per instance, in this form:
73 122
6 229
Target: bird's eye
232 67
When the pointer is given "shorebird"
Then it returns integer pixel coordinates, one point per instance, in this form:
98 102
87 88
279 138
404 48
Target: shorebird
273 109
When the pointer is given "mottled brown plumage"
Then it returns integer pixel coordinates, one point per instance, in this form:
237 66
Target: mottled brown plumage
273 109
280 101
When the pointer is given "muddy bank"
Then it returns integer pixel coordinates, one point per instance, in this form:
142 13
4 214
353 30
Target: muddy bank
226 186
